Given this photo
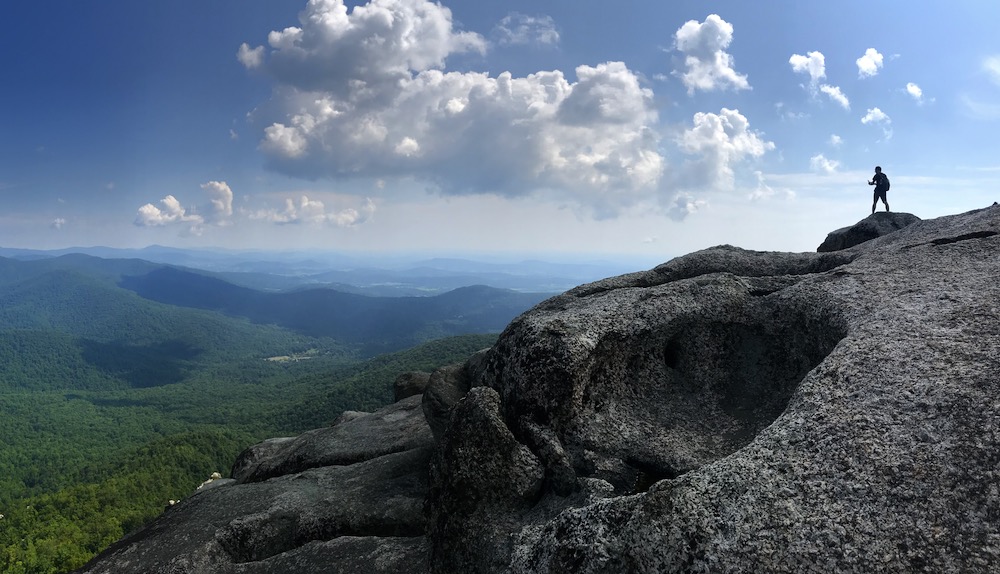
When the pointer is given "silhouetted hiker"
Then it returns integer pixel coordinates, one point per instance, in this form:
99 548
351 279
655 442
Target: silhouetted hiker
881 183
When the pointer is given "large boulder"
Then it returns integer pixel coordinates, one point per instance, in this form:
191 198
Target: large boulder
875 225
841 416
410 384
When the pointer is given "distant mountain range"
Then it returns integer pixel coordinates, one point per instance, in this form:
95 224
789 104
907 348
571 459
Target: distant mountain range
376 324
376 275
93 297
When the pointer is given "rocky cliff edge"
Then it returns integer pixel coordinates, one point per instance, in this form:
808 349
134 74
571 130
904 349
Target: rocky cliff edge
727 411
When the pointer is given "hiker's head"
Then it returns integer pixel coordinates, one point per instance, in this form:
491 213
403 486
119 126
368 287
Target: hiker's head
878 169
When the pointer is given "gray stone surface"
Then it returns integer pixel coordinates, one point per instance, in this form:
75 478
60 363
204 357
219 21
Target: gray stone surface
410 384
728 411
352 438
840 419
445 388
876 225
347 498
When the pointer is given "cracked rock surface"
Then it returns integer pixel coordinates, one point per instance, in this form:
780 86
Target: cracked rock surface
727 411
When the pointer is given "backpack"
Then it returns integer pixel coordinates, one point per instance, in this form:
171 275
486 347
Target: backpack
885 178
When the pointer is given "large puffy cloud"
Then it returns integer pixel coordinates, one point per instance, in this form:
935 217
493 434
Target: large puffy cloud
364 94
718 142
707 64
378 42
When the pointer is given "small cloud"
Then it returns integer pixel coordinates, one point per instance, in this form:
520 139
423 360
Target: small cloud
765 191
682 205
981 110
250 57
836 141
58 223
708 66
233 135
785 114
314 211
649 240
869 64
813 64
820 164
221 197
836 95
408 147
991 66
170 211
518 29
878 117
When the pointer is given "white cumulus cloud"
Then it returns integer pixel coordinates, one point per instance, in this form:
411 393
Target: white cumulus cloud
813 64
250 57
365 94
220 196
707 65
718 142
821 164
169 211
58 223
683 205
877 117
217 211
521 29
836 95
869 64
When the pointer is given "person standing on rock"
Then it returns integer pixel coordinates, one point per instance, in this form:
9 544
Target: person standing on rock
881 183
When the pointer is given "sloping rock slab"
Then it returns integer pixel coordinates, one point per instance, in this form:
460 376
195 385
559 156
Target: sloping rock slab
352 438
334 500
836 418
876 225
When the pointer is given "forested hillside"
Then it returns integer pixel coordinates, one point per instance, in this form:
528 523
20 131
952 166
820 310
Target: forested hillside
374 324
114 403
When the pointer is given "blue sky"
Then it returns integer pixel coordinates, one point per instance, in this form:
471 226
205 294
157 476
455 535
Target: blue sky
642 129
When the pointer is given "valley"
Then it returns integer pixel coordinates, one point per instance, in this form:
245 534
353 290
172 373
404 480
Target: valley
126 383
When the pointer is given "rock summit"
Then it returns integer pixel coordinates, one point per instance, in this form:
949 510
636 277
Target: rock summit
727 411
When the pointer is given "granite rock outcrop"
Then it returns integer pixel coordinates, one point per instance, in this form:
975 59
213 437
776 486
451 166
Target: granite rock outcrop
875 225
727 411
